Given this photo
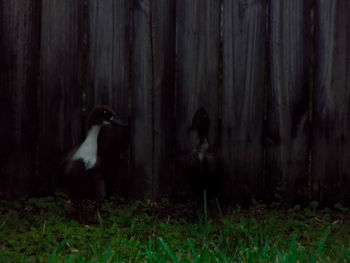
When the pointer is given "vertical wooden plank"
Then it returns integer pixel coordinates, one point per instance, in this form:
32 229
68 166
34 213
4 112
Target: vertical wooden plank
19 67
331 105
163 46
243 93
142 99
108 74
109 54
60 91
197 78
153 57
288 98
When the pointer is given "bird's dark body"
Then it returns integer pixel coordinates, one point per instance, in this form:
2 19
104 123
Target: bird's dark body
202 166
113 152
80 175
203 174
79 183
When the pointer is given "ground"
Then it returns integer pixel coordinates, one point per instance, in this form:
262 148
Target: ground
44 230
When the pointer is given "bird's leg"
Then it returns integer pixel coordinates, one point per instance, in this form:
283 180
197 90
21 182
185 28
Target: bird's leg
100 191
79 210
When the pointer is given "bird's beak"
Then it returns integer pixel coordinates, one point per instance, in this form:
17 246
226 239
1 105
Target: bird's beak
119 122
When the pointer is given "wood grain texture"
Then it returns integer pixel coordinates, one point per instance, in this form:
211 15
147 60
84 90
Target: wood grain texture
142 99
197 73
163 46
288 98
109 54
153 57
331 125
19 68
60 106
108 73
243 93
197 76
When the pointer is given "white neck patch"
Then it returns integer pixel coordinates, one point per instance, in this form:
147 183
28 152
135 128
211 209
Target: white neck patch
88 149
201 149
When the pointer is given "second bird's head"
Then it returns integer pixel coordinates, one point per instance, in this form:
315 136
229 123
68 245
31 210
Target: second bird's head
200 122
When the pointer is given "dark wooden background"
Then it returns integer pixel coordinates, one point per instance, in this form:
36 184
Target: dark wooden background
274 76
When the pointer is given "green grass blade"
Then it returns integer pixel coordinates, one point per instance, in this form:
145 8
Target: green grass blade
324 240
100 219
292 243
222 256
195 255
52 257
107 255
205 207
168 250
219 208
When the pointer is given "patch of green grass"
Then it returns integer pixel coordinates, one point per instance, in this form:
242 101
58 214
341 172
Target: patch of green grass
42 230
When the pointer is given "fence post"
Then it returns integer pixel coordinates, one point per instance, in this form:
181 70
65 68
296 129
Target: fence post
108 82
163 46
60 100
287 133
331 105
152 91
19 68
243 96
197 70
198 43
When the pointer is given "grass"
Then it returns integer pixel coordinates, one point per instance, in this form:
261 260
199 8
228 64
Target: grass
42 230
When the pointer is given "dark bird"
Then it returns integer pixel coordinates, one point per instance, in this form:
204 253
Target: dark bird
113 151
80 174
204 170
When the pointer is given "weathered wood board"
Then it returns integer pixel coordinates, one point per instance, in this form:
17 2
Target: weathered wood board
108 82
287 133
197 73
153 55
197 76
331 103
244 37
19 68
60 99
141 99
163 46
109 54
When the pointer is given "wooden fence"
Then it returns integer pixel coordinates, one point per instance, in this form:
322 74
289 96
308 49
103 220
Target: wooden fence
274 76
